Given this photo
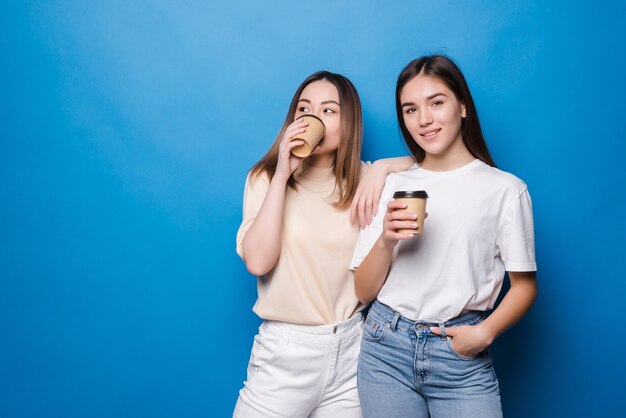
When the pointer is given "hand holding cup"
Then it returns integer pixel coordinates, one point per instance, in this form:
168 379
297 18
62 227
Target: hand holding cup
287 161
404 218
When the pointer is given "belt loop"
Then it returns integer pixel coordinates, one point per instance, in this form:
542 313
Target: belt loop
442 327
394 322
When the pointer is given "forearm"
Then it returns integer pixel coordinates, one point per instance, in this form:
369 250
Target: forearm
394 165
370 276
262 242
514 305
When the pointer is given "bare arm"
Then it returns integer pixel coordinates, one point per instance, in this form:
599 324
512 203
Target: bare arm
371 274
470 340
517 301
261 245
262 242
367 197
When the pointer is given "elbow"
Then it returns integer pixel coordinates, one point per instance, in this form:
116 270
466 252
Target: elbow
362 294
256 263
535 294
256 268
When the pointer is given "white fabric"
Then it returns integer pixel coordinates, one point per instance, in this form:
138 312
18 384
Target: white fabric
480 224
303 371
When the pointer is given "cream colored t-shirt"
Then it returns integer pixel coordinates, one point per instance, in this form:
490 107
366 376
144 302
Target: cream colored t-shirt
311 283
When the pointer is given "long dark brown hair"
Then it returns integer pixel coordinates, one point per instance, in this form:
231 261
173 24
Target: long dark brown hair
347 161
446 70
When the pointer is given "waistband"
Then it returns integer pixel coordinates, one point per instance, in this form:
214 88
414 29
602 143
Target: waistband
395 320
318 334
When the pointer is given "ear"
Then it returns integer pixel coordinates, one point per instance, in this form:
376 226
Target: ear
463 112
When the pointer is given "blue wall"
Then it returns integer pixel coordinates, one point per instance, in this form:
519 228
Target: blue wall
127 128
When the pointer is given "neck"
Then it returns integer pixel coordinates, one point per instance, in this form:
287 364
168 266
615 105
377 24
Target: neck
454 158
321 160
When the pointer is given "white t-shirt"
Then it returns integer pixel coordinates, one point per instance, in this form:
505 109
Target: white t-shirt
479 225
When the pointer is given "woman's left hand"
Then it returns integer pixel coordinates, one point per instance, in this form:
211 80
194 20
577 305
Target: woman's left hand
467 340
365 202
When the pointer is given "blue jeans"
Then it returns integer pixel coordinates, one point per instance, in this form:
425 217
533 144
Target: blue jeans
407 371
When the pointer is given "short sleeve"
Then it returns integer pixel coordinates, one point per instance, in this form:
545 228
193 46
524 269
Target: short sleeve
371 233
253 196
516 238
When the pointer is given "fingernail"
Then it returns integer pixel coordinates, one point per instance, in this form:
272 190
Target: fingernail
413 216
414 225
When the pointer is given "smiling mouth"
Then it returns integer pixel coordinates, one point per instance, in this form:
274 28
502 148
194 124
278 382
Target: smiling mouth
431 133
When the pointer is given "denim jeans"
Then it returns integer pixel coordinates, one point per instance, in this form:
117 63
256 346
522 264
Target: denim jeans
407 371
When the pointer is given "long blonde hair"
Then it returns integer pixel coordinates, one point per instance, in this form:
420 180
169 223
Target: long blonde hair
347 161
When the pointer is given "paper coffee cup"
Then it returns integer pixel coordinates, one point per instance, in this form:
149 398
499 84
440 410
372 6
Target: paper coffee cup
312 136
416 203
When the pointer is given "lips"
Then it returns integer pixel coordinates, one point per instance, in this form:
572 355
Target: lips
430 134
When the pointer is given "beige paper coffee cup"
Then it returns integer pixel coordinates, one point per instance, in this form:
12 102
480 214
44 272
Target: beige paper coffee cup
416 203
312 136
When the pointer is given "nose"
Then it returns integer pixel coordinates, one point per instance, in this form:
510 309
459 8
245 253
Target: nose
425 117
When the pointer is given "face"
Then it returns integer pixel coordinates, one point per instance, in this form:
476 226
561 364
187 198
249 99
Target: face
432 115
320 98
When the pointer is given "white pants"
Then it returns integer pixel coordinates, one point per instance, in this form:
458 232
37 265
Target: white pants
303 371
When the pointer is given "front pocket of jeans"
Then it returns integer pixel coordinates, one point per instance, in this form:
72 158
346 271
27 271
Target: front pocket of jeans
265 350
461 356
373 330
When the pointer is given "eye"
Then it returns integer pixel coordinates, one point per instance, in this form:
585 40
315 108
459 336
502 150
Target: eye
437 103
303 109
410 110
328 110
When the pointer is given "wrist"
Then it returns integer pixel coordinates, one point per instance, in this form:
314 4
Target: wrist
385 245
489 334
280 179
382 166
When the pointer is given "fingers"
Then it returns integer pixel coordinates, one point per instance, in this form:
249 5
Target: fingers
450 332
397 214
353 206
295 143
368 212
396 219
363 212
375 203
297 127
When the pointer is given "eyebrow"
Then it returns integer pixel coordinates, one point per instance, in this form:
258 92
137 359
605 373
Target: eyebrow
324 102
428 98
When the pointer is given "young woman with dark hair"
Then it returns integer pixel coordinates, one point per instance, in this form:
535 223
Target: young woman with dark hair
424 350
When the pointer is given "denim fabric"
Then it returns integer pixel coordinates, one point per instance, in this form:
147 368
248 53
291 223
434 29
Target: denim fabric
407 371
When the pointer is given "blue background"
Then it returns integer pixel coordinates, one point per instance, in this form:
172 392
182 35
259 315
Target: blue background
127 129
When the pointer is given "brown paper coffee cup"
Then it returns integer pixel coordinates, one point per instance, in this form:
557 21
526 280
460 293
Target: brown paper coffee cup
416 203
312 136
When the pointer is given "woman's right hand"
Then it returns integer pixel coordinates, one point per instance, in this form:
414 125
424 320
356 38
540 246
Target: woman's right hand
396 219
287 162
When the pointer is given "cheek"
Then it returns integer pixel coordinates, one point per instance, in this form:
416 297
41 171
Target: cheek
412 126
451 118
333 129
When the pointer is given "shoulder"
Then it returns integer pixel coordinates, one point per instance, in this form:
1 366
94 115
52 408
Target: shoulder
257 183
410 173
257 179
502 179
